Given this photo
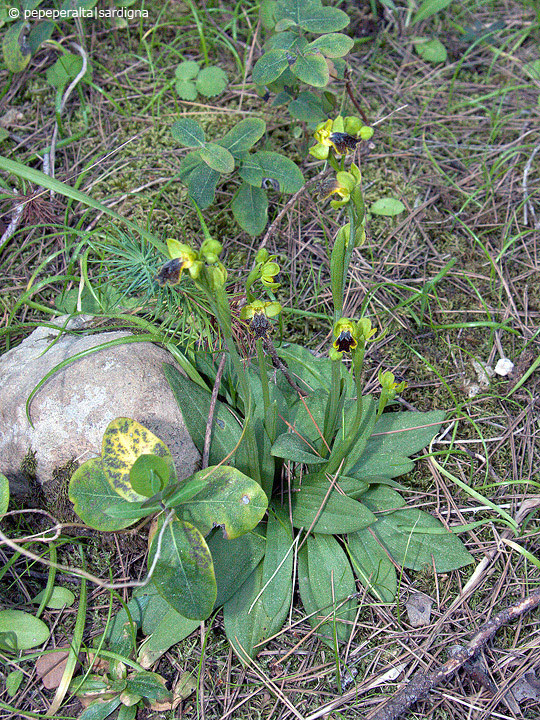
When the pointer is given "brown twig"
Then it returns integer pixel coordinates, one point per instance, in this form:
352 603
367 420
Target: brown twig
285 209
211 411
422 683
349 89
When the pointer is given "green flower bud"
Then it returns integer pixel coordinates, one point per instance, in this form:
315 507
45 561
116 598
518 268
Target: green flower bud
334 354
353 124
211 246
364 330
262 256
366 132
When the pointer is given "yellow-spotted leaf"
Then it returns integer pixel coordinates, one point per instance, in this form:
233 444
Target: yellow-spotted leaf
93 496
124 441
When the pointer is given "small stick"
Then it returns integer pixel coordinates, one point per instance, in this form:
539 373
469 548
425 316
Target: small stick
277 362
211 412
349 89
422 683
285 209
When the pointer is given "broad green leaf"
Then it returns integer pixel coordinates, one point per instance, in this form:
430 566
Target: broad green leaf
381 498
335 514
311 15
4 494
311 69
353 487
21 631
149 474
372 566
395 436
251 171
187 70
184 572
187 164
308 107
416 539
290 41
64 70
59 598
15 47
290 446
280 168
217 157
122 630
269 67
234 561
431 50
283 25
246 619
183 491
278 565
202 182
38 34
124 441
188 132
92 494
186 90
282 98
13 682
387 206
429 8
130 510
100 710
230 499
171 629
250 209
333 45
243 135
308 371
149 685
194 402
326 582
211 81
308 414
266 13
367 423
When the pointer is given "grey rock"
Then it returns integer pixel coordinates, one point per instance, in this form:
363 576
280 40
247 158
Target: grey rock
71 410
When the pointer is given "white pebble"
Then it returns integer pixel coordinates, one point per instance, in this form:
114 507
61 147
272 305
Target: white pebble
504 366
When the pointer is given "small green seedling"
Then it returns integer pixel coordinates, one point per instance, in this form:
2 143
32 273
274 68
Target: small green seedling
191 80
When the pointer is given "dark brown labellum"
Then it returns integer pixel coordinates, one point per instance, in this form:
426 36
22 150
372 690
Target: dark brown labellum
344 142
170 272
345 342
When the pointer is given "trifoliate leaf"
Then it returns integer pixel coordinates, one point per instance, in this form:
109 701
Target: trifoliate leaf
211 81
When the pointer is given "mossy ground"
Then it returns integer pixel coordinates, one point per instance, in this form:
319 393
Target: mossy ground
452 279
